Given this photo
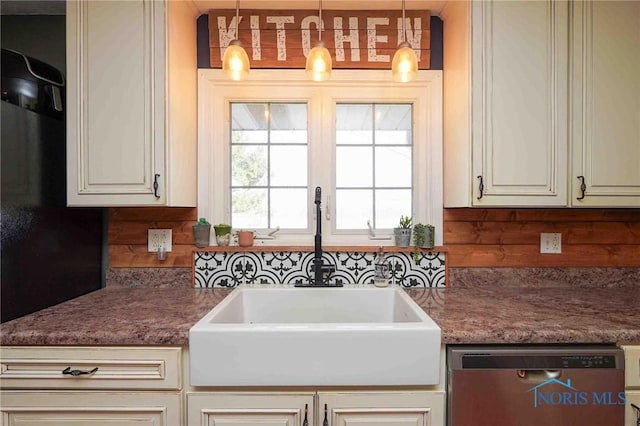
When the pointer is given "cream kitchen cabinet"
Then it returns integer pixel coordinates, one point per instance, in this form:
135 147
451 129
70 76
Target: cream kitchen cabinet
131 96
90 385
401 408
606 104
246 408
340 408
632 384
505 111
537 93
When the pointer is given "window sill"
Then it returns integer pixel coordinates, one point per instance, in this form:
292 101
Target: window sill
361 249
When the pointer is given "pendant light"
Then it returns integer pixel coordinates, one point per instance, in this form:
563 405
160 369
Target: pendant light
235 61
404 66
319 60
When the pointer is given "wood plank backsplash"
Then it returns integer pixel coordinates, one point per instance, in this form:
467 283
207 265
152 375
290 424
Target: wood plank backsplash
473 237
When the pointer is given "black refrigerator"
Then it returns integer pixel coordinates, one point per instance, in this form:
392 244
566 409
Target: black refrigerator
50 252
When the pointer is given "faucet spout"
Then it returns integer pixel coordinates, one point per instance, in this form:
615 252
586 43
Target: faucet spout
319 268
317 249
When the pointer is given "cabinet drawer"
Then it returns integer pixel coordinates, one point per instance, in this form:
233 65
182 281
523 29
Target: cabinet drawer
632 366
115 368
50 408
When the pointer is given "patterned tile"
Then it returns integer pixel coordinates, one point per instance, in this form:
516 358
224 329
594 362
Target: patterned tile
230 269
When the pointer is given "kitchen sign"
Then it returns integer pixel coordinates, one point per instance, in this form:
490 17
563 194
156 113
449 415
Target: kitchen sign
355 39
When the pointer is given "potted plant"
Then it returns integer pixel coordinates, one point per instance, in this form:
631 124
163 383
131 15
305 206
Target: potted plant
201 232
245 238
223 234
403 232
423 237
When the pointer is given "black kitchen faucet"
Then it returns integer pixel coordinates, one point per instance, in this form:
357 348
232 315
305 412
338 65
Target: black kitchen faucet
319 268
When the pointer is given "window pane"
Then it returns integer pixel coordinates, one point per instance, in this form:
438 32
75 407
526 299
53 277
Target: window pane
288 165
393 124
353 208
289 123
354 124
289 208
354 166
390 205
249 123
249 208
269 176
248 165
393 166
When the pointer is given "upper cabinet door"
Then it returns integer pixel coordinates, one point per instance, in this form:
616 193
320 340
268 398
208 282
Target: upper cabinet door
115 117
519 102
606 103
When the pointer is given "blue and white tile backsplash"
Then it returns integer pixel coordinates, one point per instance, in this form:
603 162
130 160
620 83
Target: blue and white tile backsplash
231 269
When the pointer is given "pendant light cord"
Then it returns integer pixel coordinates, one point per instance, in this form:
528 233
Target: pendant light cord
238 19
320 22
404 34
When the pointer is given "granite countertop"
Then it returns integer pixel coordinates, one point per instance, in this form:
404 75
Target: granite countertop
486 315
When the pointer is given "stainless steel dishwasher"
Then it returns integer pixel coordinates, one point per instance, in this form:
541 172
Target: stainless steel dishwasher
535 385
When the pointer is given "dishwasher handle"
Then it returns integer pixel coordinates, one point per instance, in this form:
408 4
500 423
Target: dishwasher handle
538 376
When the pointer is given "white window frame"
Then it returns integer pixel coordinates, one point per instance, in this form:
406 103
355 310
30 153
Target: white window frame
216 91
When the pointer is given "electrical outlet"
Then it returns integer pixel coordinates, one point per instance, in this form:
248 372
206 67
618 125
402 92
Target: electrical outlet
159 238
550 243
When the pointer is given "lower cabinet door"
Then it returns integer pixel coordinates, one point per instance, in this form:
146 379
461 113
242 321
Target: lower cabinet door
249 409
632 415
63 408
419 408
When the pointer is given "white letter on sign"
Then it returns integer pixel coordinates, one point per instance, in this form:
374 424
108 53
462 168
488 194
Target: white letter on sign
226 35
353 38
281 37
306 33
373 38
413 38
255 38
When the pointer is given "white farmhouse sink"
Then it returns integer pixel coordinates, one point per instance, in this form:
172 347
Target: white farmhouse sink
287 336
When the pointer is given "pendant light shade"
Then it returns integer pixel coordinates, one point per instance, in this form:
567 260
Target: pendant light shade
405 63
404 66
235 61
319 62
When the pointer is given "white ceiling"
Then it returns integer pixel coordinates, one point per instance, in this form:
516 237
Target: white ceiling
435 6
57 7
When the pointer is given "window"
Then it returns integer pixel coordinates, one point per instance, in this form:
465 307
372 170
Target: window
373 164
268 165
372 145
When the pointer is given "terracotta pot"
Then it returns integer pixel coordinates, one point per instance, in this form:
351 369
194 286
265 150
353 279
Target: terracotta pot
245 238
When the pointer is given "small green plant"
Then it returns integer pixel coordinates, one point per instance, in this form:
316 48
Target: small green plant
203 221
405 222
420 232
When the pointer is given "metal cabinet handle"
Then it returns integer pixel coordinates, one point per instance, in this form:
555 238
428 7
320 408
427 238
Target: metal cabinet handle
75 373
325 422
583 187
635 407
155 185
481 187
305 422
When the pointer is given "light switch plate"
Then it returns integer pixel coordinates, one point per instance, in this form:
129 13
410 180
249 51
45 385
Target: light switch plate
159 238
551 243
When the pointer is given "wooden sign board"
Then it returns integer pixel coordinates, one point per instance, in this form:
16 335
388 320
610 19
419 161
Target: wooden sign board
355 39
